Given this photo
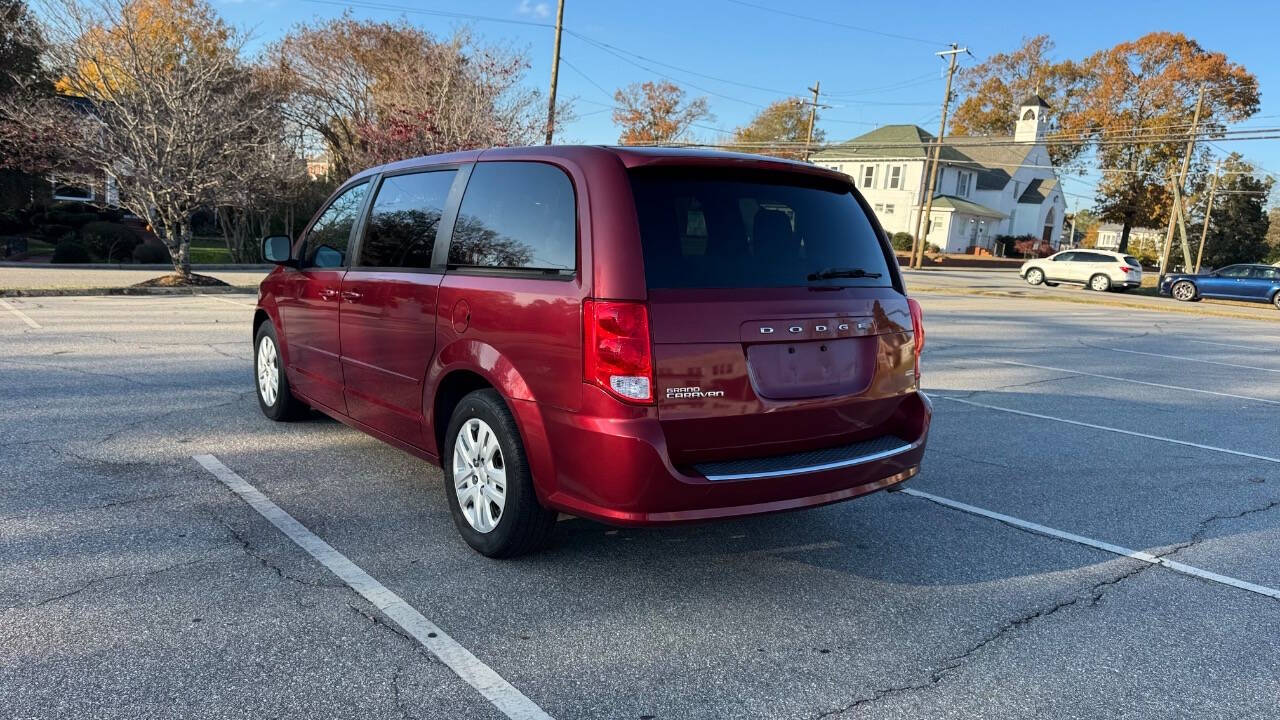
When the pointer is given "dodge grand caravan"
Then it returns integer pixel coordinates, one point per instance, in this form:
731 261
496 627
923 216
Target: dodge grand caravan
638 336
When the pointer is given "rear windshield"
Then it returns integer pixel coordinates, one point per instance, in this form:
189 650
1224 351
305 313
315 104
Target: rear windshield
1131 260
723 230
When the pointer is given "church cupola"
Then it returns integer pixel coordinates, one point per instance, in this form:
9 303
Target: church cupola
1032 120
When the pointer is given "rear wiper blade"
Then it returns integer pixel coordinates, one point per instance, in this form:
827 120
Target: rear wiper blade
842 273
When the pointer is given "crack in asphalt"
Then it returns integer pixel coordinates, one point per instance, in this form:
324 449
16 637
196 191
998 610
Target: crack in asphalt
377 621
401 703
1094 596
1203 526
267 563
98 581
971 393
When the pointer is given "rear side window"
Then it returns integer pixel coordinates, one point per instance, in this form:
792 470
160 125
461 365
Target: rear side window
727 230
516 215
330 235
405 217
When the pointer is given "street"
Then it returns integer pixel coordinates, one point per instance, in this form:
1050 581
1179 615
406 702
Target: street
135 583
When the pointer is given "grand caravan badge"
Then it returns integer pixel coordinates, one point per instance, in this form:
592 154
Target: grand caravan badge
692 392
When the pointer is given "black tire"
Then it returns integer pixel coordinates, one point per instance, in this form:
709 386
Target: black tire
1034 276
1102 286
1275 300
1050 284
523 526
285 406
1182 285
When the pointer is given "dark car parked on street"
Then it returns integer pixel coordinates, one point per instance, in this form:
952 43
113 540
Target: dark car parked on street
1259 283
638 336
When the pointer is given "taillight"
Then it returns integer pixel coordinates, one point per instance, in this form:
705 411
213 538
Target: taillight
616 353
917 330
1125 269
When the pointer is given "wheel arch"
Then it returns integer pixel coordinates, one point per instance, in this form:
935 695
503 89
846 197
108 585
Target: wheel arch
453 386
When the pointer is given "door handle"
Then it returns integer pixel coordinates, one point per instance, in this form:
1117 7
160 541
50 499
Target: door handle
328 294
351 295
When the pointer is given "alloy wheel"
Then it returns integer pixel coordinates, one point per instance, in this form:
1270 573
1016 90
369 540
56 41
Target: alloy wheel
479 475
268 371
1100 283
1184 291
1035 277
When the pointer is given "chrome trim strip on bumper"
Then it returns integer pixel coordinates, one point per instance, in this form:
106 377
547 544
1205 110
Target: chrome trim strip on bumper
821 468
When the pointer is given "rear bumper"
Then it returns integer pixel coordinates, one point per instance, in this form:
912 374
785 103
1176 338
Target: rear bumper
618 471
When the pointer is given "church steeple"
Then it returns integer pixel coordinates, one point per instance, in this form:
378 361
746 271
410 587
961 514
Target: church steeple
1032 119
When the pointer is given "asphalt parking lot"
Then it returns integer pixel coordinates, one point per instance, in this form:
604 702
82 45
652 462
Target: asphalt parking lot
133 583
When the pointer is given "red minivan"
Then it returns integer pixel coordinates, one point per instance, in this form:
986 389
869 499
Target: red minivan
637 336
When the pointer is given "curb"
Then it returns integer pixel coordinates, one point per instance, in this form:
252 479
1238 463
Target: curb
82 292
1184 308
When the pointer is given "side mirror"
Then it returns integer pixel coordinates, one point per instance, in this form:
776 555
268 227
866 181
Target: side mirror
277 249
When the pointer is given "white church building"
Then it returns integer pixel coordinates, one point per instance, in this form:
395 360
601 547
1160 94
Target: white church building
987 186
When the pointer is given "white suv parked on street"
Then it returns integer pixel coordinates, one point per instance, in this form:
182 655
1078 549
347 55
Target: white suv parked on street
1099 270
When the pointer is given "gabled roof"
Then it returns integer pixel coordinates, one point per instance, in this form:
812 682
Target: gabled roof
994 158
1038 191
890 141
965 206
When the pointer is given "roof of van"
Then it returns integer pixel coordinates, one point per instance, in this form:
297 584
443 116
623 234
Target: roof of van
631 157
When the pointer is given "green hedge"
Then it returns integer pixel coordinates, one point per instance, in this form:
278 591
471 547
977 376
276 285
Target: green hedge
69 250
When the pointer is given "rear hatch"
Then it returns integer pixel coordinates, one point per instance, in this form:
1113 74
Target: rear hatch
777 315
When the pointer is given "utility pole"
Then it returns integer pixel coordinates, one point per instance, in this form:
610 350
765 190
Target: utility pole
813 116
1208 212
1182 183
555 71
917 246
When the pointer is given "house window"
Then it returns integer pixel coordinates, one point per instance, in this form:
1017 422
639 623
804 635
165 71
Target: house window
895 177
962 183
935 221
888 208
868 176
73 188
879 207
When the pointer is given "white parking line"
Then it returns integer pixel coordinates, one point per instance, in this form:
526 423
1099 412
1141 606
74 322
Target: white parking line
504 696
1186 443
1230 345
20 315
1138 382
229 302
1099 544
1188 359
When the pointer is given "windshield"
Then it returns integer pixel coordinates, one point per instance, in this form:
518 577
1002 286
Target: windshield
728 230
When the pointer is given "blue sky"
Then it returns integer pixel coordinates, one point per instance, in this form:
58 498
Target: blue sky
872 77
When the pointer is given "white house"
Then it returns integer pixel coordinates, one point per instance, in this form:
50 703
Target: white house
987 186
1139 237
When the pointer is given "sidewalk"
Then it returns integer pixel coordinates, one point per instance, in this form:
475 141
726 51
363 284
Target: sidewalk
72 280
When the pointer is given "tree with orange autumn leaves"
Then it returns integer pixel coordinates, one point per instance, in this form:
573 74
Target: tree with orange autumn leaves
1131 105
656 112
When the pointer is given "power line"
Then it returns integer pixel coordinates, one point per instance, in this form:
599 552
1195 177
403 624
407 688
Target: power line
834 23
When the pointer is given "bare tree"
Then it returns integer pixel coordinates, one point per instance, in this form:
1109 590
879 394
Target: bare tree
372 92
156 97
